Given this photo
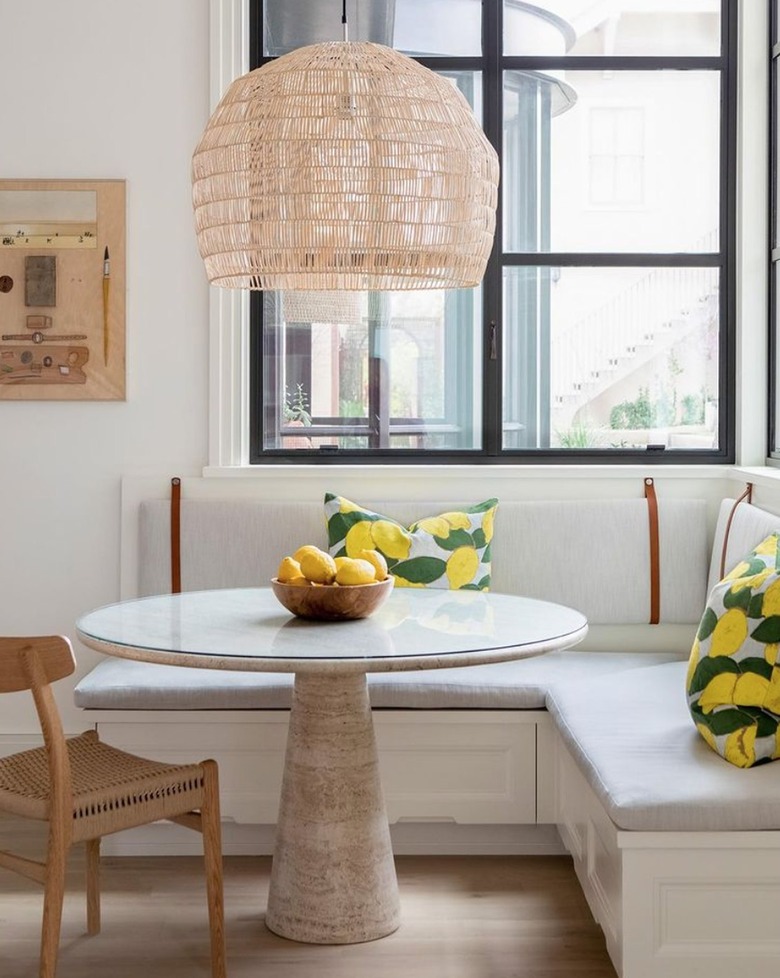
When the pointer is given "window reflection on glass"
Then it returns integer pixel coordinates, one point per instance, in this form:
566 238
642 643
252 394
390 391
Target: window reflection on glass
418 28
610 358
630 163
404 374
621 27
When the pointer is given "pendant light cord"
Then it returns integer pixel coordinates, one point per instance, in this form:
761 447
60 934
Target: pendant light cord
344 19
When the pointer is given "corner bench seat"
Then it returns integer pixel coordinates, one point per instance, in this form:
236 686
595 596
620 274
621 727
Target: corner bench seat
124 684
622 717
631 736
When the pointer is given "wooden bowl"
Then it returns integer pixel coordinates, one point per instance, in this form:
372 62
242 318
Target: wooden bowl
332 602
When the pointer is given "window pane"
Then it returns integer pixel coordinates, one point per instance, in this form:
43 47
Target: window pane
372 370
611 161
775 151
775 330
416 27
610 357
622 27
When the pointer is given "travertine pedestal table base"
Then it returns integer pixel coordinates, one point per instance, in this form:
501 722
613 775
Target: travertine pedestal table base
333 878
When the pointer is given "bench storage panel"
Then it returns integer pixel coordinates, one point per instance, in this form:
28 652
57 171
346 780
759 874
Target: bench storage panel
673 904
475 767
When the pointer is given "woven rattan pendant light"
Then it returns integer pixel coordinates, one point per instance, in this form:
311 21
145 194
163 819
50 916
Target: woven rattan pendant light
343 166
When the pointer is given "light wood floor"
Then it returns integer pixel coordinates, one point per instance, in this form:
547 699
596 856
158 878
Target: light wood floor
463 917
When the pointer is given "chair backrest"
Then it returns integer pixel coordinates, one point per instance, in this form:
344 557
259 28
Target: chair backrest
34 662
53 652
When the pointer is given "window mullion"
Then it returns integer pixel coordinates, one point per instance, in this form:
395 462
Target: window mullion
492 289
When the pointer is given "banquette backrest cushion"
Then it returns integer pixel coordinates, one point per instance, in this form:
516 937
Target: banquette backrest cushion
593 555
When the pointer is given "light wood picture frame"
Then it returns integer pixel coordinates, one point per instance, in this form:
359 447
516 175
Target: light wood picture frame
62 290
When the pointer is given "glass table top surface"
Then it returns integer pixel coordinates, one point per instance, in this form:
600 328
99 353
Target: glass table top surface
250 623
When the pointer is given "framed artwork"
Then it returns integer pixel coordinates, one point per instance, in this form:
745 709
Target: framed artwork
62 290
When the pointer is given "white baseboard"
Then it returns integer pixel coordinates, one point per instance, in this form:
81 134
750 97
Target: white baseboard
409 838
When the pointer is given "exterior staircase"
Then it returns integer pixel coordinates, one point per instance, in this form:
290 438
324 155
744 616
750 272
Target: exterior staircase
638 326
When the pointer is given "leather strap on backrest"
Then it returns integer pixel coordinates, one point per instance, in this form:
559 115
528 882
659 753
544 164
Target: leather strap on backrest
175 536
746 496
655 553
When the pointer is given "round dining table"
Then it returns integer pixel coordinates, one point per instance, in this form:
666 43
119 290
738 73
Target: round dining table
333 877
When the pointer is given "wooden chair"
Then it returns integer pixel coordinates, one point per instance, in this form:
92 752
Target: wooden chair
85 789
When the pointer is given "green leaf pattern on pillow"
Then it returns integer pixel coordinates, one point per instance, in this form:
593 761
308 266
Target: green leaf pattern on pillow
733 675
451 550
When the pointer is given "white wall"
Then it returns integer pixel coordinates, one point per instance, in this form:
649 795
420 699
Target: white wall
104 90
96 89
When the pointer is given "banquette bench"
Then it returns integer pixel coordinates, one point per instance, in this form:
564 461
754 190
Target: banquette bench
678 852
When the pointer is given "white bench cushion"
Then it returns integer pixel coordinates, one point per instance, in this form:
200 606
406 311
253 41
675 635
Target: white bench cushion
122 684
633 738
592 555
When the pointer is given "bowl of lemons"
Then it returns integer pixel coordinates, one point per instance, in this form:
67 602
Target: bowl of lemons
312 584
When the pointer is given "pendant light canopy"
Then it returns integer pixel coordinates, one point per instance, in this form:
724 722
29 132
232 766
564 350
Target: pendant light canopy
344 166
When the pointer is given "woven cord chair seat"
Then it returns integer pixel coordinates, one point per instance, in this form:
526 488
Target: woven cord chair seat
112 790
86 789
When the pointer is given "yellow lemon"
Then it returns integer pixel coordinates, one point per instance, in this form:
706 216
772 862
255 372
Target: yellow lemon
708 735
437 526
402 582
738 571
359 538
771 605
379 563
718 691
462 566
754 581
458 521
391 539
770 653
354 572
340 561
487 524
692 663
319 567
730 632
289 569
347 506
772 698
298 582
741 746
750 690
308 548
767 547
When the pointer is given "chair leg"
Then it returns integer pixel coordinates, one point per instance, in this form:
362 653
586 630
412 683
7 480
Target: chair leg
54 892
212 852
93 886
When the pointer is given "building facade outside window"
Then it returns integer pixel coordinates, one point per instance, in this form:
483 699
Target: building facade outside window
604 327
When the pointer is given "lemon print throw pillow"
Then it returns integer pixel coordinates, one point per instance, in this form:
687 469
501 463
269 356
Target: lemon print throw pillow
451 550
734 675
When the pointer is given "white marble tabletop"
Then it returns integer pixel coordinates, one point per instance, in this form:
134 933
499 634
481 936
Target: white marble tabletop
247 629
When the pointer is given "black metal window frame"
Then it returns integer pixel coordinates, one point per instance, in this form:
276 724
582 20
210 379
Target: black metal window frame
492 65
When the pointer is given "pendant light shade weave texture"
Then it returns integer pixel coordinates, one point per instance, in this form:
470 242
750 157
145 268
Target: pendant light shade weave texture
337 308
344 166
